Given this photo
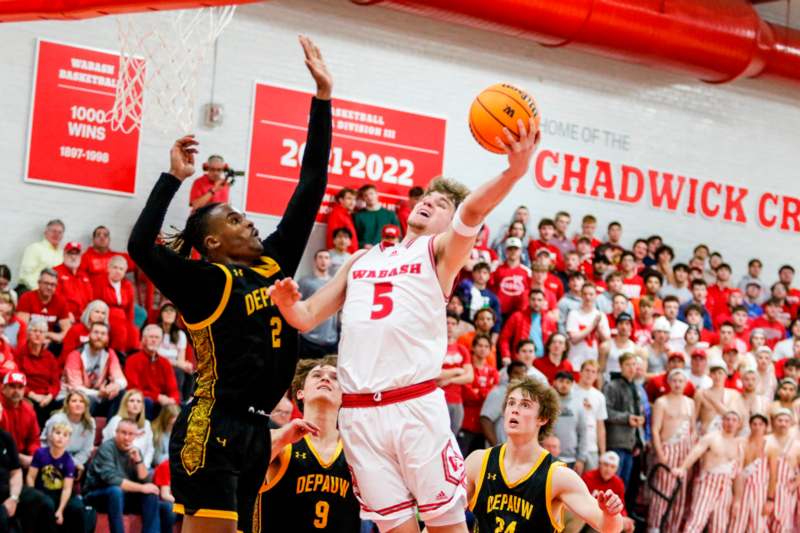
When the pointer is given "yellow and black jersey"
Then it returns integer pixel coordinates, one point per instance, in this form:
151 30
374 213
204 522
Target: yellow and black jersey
308 494
503 506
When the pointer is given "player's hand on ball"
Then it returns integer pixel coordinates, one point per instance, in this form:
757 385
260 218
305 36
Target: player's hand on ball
520 151
181 157
609 502
317 68
285 293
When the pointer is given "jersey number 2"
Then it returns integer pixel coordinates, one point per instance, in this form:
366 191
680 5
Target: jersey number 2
321 512
382 302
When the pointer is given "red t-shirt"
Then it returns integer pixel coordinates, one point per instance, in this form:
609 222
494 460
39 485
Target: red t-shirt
75 289
555 253
595 483
202 185
53 311
512 286
161 476
633 287
20 421
546 367
657 387
734 382
486 377
774 331
152 377
338 218
456 357
43 371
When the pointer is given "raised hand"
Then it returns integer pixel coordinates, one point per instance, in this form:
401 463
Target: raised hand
520 151
317 68
299 428
285 293
609 502
181 157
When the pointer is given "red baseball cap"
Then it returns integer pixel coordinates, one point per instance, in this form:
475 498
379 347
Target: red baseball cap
676 355
390 231
700 353
15 378
72 246
730 348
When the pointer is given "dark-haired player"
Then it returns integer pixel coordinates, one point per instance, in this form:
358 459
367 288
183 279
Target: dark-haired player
246 353
518 486
308 486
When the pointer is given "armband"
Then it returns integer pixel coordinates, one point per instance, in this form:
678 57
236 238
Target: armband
461 228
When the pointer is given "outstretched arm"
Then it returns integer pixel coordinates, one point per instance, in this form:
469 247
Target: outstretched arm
452 248
305 315
601 512
287 243
697 452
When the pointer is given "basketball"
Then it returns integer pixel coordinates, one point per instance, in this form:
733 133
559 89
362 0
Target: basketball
499 106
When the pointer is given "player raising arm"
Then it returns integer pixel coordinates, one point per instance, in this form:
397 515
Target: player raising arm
394 420
519 486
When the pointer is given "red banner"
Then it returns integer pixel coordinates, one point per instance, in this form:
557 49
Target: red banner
391 149
70 142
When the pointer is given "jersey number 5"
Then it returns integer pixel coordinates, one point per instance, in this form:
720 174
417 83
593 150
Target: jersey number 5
382 302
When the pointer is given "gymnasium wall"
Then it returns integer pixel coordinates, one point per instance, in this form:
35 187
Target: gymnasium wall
738 135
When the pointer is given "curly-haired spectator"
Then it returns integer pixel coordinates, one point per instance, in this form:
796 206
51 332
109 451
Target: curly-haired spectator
42 254
73 283
41 370
152 374
44 302
74 413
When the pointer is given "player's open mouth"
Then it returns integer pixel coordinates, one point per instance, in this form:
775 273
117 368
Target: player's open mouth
513 422
424 213
325 387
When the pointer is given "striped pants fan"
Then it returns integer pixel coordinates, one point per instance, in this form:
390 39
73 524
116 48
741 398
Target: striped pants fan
675 453
711 502
785 500
751 517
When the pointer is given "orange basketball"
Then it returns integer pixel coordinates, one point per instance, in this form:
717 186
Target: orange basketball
499 106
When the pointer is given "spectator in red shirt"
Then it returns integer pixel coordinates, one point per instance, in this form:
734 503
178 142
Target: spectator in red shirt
41 370
555 359
511 282
94 262
485 377
632 282
456 371
787 311
718 293
73 284
211 187
658 385
7 363
78 334
588 227
605 478
786 276
341 216
547 231
45 303
518 327
152 374
415 194
117 292
774 330
19 418
730 355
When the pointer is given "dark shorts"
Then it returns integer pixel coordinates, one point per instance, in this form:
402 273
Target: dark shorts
217 462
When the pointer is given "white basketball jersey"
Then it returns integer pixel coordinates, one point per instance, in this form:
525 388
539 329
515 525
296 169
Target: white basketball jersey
394 327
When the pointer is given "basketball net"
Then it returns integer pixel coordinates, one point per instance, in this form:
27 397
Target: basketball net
161 54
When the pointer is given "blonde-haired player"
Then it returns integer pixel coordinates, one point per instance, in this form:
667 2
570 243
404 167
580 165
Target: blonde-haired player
394 420
519 486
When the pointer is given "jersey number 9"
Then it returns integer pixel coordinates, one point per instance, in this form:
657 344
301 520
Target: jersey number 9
321 511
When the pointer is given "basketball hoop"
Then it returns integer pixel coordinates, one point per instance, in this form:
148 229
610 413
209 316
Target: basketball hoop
161 54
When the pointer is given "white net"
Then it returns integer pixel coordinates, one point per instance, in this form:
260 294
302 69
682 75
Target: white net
161 54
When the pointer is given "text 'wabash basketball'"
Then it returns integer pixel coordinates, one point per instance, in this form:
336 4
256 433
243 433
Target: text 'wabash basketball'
499 106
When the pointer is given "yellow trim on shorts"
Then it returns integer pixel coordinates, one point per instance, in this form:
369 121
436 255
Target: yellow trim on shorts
206 513
548 498
479 482
223 302
524 478
318 457
284 458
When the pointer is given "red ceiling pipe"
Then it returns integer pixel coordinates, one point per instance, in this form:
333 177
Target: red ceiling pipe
714 40
22 10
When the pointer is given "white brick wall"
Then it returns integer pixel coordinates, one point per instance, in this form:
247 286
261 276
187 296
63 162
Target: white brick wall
745 133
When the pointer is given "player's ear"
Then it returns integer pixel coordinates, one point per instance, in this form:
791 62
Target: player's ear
211 242
300 395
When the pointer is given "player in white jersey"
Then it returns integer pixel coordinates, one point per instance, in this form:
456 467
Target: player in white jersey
394 420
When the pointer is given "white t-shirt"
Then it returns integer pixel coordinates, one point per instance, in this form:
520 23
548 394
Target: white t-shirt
614 353
700 382
677 332
170 349
594 405
578 321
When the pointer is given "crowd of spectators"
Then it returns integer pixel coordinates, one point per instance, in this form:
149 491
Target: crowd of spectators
95 365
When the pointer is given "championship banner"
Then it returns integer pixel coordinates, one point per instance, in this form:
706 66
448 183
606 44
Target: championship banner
70 142
391 149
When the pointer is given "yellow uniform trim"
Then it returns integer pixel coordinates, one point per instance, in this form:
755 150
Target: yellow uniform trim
558 524
284 458
318 457
479 482
524 478
223 302
268 268
206 513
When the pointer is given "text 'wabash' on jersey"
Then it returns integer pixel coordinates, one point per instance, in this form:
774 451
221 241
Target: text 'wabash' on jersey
503 506
308 494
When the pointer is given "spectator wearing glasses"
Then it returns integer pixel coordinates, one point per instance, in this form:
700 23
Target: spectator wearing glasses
42 254
45 303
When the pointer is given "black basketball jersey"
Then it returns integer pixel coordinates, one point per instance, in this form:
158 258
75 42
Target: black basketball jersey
503 506
308 495
246 353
